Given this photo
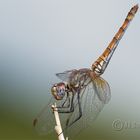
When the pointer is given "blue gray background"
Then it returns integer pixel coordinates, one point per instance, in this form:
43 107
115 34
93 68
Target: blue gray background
39 38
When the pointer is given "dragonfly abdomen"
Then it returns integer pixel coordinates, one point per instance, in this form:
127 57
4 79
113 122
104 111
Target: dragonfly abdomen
101 63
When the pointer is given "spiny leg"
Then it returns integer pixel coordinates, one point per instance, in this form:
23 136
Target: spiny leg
67 100
80 112
69 110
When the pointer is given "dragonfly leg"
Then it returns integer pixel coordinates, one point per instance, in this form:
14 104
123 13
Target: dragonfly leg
67 100
66 103
69 109
80 112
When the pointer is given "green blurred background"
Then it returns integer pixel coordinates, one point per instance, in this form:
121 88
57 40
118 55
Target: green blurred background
39 38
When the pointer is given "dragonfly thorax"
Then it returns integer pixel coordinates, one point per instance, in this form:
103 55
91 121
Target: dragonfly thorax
58 90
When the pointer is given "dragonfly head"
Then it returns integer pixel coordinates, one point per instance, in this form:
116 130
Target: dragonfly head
58 90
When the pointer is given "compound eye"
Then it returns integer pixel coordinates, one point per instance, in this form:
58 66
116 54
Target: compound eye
58 91
61 92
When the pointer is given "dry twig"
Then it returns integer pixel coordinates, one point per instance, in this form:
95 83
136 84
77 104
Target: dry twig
58 127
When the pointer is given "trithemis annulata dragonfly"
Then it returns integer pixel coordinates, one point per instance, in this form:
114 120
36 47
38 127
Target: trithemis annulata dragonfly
82 93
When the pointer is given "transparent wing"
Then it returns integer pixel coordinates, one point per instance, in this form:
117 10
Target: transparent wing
102 89
65 76
91 107
44 123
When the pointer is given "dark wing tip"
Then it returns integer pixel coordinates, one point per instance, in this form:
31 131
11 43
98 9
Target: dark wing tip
135 8
35 122
137 5
57 74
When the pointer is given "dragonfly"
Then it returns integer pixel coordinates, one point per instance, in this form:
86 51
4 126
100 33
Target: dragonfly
82 93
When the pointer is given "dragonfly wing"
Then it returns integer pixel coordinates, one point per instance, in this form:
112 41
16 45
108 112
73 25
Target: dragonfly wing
91 106
66 75
102 89
44 122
